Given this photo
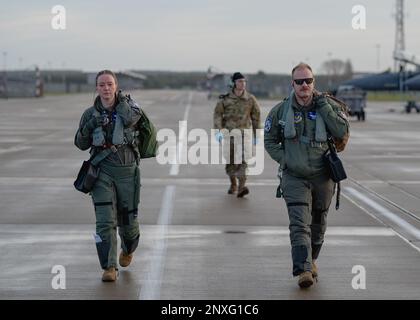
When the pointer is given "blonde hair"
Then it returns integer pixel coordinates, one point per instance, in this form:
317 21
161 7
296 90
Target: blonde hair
301 65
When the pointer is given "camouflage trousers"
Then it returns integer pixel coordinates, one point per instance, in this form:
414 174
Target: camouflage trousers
308 201
116 196
235 169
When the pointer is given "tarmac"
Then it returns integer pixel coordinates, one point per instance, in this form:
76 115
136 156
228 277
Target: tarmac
198 242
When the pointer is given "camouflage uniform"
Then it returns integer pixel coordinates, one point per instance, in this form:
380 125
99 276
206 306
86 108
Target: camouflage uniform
233 112
117 191
306 184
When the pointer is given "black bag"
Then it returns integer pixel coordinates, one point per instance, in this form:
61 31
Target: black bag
89 172
87 177
334 164
335 167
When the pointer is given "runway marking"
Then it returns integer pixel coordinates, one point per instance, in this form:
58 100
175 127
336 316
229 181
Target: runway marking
385 212
14 149
414 156
174 181
411 169
153 282
182 132
389 181
336 231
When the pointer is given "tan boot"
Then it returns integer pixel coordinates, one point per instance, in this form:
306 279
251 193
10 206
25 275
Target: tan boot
233 187
109 275
125 259
314 271
305 279
242 190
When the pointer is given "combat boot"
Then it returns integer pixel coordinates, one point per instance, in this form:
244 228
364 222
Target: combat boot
305 279
109 275
242 190
314 271
125 259
233 187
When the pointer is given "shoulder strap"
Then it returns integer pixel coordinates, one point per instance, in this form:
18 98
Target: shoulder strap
281 116
223 96
284 109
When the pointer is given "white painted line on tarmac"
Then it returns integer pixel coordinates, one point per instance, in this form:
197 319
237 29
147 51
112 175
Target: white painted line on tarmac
361 181
151 288
385 212
14 149
337 231
182 134
385 156
410 169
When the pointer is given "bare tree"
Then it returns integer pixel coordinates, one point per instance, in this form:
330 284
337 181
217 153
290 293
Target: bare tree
334 67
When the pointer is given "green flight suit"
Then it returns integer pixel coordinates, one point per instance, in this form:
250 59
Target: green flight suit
116 193
306 184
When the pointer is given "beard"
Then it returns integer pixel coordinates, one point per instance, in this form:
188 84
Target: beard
304 94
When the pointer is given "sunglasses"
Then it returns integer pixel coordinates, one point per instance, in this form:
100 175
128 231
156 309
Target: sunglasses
301 81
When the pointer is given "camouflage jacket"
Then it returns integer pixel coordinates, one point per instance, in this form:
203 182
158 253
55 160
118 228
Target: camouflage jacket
233 112
303 157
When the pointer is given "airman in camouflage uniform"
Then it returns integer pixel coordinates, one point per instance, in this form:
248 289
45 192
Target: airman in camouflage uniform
237 109
295 135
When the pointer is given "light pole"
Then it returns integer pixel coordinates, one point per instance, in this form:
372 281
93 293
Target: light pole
330 69
4 74
4 60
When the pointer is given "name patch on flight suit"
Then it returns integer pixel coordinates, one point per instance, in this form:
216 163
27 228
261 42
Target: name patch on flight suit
298 117
312 115
268 123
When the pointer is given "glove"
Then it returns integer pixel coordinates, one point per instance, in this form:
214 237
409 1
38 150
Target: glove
96 121
320 99
219 137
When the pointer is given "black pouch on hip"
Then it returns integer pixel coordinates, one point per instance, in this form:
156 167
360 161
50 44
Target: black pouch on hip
334 164
86 177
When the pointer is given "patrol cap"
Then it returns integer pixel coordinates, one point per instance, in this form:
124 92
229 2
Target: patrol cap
237 76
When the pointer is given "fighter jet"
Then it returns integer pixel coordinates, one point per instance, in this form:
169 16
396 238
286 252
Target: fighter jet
386 81
392 81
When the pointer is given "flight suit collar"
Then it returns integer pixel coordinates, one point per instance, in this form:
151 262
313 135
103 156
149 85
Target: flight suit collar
298 107
100 108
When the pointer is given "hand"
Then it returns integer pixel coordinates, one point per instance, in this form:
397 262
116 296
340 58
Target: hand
255 141
219 137
319 98
97 121
102 120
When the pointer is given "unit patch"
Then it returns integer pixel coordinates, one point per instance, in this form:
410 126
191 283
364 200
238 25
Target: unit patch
268 123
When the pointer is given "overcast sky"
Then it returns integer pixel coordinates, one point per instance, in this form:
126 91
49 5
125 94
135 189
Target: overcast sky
190 35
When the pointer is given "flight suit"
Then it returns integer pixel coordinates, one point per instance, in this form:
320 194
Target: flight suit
306 185
116 193
233 112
